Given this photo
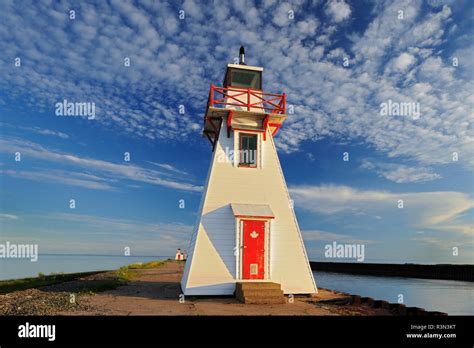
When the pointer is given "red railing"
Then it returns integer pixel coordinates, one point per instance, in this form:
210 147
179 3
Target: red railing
247 98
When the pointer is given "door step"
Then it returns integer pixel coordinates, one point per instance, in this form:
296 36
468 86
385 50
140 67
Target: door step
259 293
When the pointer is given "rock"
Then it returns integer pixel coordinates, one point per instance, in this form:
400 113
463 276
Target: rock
416 311
355 299
381 304
398 308
369 301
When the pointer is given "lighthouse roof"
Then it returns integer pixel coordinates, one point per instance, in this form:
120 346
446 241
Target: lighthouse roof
245 67
252 210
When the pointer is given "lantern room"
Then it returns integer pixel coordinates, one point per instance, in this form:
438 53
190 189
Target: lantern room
242 103
243 76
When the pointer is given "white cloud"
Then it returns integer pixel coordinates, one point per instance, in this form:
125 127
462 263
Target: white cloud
439 210
192 8
179 58
324 236
282 15
8 217
439 243
51 132
339 10
169 168
37 130
57 177
400 173
308 27
403 61
112 171
427 32
461 228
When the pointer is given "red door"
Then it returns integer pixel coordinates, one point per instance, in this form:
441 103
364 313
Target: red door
253 258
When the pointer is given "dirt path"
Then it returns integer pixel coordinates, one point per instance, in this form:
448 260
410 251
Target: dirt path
156 292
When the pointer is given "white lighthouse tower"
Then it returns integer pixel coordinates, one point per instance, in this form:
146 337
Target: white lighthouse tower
246 230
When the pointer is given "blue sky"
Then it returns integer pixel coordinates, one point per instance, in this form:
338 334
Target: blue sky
423 54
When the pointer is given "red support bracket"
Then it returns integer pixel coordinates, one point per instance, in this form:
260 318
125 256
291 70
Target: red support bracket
229 122
211 96
276 127
265 126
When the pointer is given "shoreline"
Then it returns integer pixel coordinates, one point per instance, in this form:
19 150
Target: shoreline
460 272
153 289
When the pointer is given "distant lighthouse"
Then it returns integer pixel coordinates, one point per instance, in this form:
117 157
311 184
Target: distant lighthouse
246 229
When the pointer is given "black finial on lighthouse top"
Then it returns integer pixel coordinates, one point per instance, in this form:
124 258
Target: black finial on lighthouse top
242 55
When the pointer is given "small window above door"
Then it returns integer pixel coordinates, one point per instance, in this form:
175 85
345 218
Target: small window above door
248 150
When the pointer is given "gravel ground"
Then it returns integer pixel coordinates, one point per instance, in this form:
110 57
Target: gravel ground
49 300
37 302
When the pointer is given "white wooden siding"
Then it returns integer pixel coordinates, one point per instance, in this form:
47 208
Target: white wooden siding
211 267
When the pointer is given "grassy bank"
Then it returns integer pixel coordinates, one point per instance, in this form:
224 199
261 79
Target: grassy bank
127 273
109 282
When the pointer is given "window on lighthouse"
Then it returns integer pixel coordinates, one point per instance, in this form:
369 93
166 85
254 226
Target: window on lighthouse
248 150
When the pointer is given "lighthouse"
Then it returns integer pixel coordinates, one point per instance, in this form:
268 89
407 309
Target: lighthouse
246 230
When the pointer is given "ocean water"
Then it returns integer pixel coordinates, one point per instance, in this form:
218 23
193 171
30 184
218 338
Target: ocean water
47 264
449 296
